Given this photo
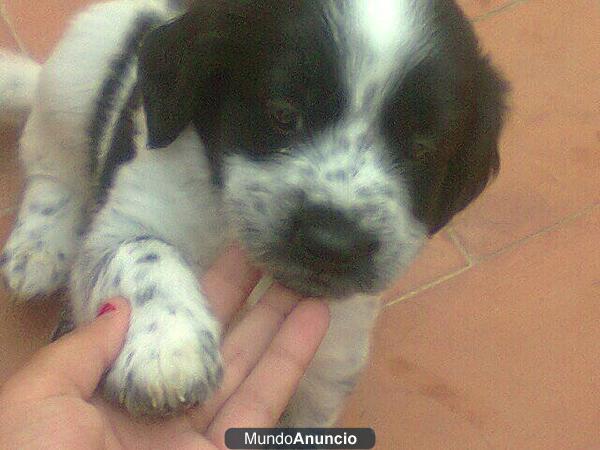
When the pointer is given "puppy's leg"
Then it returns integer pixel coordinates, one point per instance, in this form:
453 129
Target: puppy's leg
335 369
38 255
170 359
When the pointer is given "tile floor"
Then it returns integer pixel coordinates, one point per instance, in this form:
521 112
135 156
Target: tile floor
492 340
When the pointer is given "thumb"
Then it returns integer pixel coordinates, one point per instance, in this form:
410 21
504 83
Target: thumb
74 364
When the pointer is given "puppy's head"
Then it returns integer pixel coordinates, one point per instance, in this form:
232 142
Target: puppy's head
342 133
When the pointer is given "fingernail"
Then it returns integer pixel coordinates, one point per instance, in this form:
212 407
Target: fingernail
106 308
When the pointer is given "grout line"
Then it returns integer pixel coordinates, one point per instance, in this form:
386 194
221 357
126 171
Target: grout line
458 243
470 262
499 10
564 221
427 286
9 24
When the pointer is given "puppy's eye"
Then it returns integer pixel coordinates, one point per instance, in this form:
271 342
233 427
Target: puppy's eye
287 120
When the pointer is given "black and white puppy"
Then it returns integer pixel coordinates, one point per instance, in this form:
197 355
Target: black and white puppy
330 137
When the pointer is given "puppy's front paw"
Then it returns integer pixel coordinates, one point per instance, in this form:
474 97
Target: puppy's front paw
33 264
170 360
166 367
38 255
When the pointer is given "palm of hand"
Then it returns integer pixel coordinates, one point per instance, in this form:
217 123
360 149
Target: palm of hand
52 403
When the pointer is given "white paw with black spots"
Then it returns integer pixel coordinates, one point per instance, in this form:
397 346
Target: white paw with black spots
37 257
166 366
170 360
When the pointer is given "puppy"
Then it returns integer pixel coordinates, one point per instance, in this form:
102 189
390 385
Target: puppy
331 138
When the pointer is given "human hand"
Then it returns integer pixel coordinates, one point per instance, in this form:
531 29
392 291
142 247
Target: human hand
51 402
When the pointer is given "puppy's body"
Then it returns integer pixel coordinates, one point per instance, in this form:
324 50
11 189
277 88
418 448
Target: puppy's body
329 137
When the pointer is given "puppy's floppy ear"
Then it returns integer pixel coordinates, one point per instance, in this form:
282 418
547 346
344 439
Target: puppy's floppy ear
472 166
178 60
168 74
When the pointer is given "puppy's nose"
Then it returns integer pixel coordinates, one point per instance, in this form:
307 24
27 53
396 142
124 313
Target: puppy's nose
326 238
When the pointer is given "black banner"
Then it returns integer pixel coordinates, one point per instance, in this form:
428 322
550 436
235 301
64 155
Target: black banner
300 438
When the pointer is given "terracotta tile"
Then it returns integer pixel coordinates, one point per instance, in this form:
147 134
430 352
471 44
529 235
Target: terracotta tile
11 174
438 258
40 23
23 328
477 8
6 38
503 356
550 148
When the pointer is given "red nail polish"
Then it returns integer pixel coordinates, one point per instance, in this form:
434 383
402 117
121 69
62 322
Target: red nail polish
107 307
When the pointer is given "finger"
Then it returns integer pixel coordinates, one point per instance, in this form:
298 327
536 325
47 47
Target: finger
229 282
260 401
74 364
259 327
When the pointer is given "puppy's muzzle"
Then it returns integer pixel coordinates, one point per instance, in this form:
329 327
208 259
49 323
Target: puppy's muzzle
324 239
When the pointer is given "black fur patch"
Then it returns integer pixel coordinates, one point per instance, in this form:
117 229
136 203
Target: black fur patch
230 67
144 296
451 104
105 106
122 147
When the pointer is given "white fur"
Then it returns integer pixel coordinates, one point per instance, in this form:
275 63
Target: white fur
381 39
335 369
